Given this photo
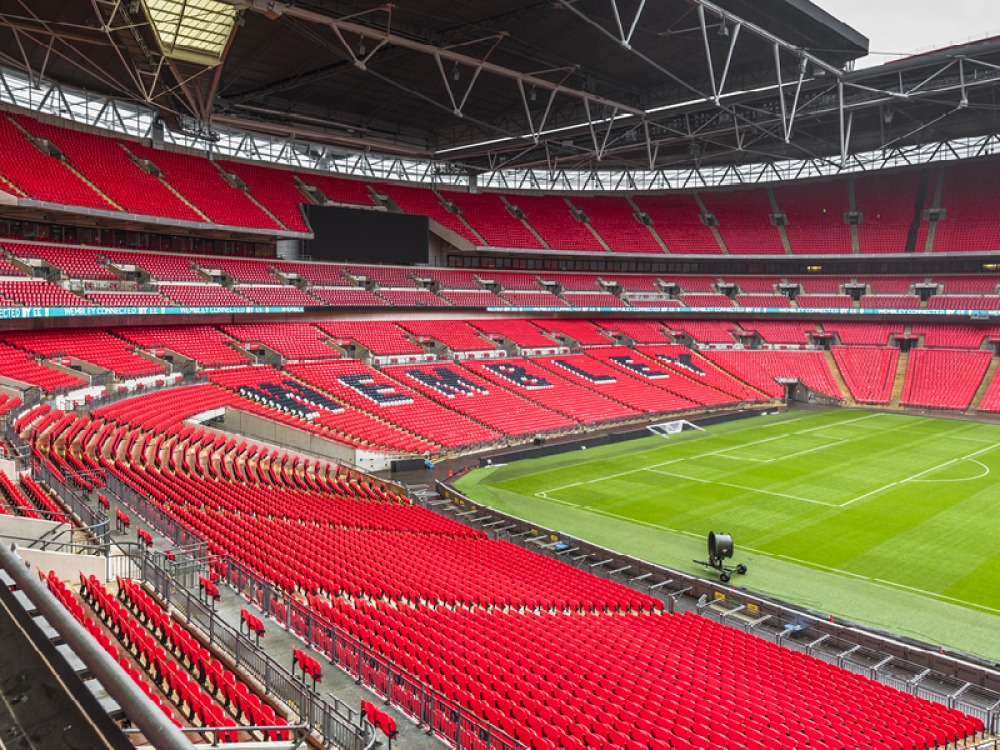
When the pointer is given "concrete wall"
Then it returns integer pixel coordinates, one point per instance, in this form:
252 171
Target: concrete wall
264 430
24 528
67 566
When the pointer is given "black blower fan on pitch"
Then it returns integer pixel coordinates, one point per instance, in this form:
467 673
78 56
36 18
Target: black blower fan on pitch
720 547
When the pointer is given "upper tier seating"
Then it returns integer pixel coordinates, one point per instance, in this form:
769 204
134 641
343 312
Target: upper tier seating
969 198
97 347
21 366
815 217
104 162
676 218
7 269
575 282
824 300
614 219
963 302
761 367
75 262
755 284
290 340
420 200
129 299
457 335
744 221
942 379
645 283
819 284
583 332
38 293
986 284
339 189
371 391
275 189
347 297
200 181
202 295
450 278
530 380
391 276
40 176
381 338
640 331
322 274
533 299
704 331
516 280
470 298
890 301
694 283
781 331
763 300
897 284
161 266
202 343
887 203
412 298
865 334
707 300
521 332
869 371
461 390
243 271
489 216
276 295
549 215
592 299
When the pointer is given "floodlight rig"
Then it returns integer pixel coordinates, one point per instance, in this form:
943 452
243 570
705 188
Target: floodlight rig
720 547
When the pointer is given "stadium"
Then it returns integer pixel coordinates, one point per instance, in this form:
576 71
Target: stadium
497 375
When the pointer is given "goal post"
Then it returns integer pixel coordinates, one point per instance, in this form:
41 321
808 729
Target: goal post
674 427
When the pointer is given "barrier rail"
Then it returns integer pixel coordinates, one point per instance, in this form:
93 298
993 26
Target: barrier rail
438 714
334 721
92 518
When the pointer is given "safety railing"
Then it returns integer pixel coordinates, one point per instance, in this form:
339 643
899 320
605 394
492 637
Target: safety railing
441 716
93 518
334 721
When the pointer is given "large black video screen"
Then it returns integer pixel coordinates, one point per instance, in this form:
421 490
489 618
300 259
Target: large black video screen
349 234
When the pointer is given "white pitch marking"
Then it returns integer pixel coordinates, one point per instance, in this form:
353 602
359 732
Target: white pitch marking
801 453
915 477
741 487
838 424
960 479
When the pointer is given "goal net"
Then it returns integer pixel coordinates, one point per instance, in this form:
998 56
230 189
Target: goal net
666 429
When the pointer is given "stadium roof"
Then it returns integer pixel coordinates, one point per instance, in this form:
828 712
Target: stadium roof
495 84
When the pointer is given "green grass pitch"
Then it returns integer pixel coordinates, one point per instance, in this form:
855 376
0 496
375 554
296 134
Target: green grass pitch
887 519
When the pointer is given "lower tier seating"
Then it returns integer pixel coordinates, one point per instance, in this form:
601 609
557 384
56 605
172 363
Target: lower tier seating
760 368
943 379
869 371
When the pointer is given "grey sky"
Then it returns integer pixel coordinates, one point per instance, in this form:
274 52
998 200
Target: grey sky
897 28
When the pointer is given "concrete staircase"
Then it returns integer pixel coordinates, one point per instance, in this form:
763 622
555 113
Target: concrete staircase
977 399
838 378
897 384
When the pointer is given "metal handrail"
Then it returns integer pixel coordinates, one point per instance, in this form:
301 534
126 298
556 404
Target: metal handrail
159 730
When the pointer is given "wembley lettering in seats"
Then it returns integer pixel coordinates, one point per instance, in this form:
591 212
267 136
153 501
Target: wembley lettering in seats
517 375
639 368
683 360
381 393
589 376
445 381
292 397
